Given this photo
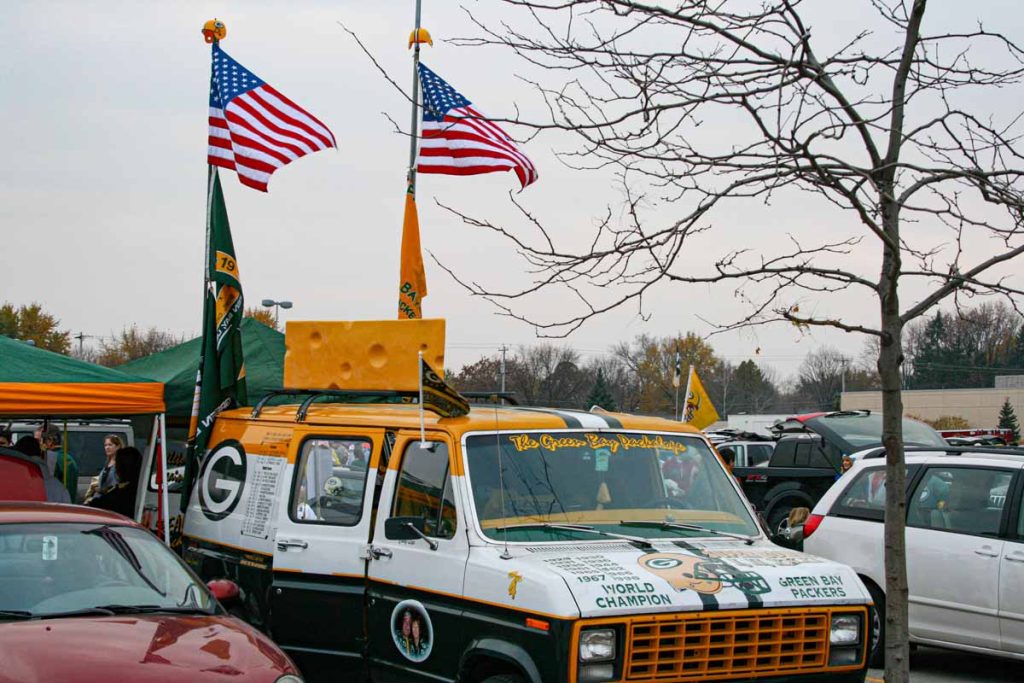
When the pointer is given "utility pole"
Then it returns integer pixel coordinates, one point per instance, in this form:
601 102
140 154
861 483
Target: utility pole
503 349
81 337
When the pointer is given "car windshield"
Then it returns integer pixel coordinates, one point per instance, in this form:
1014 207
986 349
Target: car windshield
51 569
528 486
856 431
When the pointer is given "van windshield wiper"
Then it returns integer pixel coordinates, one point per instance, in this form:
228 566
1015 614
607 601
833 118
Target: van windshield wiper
579 528
15 614
659 524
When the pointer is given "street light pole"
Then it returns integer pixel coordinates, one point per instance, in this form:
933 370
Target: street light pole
277 306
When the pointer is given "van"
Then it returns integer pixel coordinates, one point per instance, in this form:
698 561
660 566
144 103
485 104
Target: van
84 442
373 539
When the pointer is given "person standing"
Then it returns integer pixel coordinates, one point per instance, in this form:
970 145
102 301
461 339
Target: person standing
55 491
120 497
6 439
66 468
107 478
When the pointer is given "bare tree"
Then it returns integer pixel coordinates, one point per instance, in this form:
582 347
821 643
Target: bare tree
890 129
820 378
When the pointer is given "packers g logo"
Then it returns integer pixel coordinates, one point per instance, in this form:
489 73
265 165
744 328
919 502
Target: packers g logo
221 480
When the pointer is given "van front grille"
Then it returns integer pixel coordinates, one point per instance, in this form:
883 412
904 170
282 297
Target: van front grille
723 646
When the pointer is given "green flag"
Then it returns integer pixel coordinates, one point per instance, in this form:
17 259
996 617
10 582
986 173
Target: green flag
220 382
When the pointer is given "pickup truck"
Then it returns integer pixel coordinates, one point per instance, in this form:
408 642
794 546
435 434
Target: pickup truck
808 457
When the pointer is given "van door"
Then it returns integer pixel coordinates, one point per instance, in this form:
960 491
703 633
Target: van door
415 584
316 599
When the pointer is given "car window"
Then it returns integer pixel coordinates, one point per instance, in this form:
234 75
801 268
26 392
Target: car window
758 454
865 492
87 450
331 480
960 499
425 489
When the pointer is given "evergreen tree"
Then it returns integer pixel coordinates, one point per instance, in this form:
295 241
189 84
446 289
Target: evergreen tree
1008 420
932 355
600 395
1017 357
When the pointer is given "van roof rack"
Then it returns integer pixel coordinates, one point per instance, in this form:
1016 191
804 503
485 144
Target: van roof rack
337 396
490 396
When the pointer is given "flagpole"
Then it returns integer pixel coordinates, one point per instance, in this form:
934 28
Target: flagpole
414 125
686 396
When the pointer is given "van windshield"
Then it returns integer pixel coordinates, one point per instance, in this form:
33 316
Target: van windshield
607 481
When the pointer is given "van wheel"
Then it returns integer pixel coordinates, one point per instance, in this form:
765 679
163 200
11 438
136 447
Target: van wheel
505 678
876 655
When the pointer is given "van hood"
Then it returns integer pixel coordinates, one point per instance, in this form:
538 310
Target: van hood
618 578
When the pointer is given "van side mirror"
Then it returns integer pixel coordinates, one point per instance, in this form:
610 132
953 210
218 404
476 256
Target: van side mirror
398 529
225 590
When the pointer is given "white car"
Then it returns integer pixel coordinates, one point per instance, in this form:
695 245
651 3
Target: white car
965 546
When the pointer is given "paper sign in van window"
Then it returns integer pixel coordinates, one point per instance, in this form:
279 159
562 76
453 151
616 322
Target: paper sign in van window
614 443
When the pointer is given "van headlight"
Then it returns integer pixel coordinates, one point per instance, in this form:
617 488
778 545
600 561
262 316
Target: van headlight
845 630
597 645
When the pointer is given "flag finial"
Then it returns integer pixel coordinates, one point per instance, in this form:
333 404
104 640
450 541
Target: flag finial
420 36
214 31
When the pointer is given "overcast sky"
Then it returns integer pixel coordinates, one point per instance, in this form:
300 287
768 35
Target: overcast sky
102 189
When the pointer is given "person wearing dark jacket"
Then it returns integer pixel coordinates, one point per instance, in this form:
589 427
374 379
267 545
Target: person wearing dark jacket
55 491
120 498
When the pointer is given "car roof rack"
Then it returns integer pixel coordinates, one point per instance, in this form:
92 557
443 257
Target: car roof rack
947 450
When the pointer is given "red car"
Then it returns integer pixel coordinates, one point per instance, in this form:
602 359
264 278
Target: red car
88 595
21 477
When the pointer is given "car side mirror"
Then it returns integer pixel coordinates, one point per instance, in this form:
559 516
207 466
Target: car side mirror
225 590
404 528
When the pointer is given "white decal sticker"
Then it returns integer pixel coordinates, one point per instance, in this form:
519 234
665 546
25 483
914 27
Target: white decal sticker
49 548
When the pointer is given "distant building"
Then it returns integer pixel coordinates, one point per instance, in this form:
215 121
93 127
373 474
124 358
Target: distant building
980 407
1009 381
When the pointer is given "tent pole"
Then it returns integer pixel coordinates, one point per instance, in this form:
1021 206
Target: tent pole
163 479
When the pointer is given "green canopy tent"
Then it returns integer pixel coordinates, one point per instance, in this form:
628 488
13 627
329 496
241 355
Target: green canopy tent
176 367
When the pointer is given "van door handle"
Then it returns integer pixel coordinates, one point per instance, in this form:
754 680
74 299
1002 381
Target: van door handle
985 552
1014 558
283 544
379 553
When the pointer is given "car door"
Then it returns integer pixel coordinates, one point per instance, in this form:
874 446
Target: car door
318 585
415 584
1011 576
953 554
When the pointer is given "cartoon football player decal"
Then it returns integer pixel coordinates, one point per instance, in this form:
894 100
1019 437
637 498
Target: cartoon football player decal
681 572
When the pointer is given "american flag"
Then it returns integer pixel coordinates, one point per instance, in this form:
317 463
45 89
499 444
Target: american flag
459 140
254 129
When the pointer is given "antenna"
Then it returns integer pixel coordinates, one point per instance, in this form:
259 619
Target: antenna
505 555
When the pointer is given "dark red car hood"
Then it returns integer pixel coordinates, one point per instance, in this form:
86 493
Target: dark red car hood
151 647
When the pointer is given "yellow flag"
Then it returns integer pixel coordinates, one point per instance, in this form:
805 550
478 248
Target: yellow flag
412 282
698 411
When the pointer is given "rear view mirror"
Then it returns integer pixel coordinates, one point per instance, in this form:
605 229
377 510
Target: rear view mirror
399 529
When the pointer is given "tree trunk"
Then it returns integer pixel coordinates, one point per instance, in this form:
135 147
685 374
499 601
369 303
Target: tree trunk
890 358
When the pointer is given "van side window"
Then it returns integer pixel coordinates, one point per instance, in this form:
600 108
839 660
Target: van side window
964 500
425 489
330 481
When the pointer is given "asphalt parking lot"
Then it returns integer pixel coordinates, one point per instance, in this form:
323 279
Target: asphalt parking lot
931 665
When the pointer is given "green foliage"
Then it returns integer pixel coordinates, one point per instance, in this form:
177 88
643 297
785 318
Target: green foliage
31 323
600 395
1008 419
754 391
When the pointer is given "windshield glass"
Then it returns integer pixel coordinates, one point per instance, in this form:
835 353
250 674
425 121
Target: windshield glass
50 569
600 480
857 431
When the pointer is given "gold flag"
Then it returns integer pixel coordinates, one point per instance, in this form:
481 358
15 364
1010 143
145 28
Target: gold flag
412 279
698 411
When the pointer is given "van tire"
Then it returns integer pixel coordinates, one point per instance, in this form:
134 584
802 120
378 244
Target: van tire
504 678
876 656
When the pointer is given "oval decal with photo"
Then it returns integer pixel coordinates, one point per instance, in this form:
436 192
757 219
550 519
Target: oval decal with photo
412 631
221 480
